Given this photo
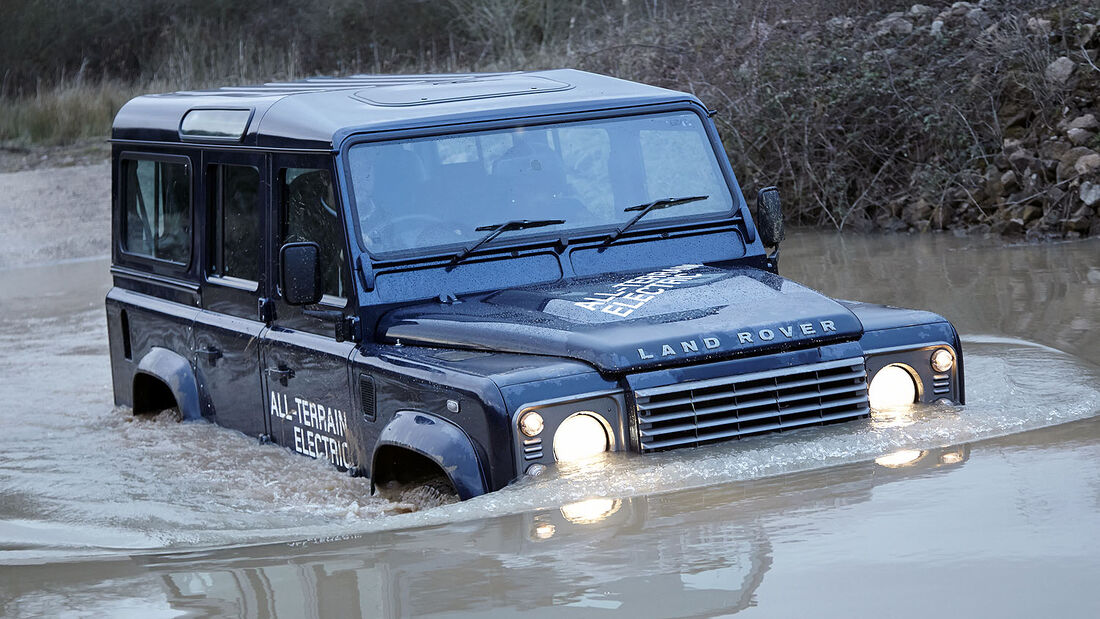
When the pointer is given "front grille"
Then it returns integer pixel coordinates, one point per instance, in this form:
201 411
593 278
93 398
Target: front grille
705 411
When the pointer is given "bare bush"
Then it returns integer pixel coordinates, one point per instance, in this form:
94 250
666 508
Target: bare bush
868 113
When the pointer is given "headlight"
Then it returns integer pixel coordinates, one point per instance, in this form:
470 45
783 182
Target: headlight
891 387
943 360
582 435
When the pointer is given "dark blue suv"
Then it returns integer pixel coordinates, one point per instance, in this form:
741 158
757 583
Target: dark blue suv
471 277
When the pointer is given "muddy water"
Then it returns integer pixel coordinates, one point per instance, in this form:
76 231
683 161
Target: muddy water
989 508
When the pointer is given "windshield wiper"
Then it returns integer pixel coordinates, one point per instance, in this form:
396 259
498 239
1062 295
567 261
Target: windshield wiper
501 228
645 209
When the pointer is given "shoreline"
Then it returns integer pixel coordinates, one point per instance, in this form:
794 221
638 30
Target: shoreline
23 158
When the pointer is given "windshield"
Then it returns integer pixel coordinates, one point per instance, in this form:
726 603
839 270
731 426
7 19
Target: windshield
437 191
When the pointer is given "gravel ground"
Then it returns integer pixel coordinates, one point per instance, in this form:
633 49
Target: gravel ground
55 213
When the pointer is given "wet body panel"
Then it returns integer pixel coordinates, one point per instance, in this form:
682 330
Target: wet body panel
686 313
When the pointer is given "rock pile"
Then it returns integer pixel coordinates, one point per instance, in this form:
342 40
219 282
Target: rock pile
1046 184
1045 180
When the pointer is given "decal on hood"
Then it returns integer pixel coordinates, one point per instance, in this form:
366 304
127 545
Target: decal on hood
625 297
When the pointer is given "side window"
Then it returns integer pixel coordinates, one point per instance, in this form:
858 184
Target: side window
156 202
309 214
234 218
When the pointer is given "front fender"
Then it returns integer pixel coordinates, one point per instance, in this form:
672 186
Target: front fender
174 370
441 442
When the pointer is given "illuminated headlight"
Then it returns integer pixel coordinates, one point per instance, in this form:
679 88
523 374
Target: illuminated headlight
531 423
943 360
891 387
581 436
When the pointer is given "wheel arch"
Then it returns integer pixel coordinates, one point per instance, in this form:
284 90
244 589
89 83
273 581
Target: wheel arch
428 437
162 372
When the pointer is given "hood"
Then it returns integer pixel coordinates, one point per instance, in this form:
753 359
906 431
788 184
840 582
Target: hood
682 314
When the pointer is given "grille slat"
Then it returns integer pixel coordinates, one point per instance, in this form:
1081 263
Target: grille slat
746 404
672 415
771 427
941 384
750 391
532 449
724 421
785 374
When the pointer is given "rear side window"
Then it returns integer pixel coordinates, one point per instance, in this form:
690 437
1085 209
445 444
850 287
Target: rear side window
156 205
235 222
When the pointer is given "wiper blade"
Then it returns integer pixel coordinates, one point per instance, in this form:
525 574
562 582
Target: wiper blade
501 228
644 209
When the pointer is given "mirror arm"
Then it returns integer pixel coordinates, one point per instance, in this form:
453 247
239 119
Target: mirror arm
326 315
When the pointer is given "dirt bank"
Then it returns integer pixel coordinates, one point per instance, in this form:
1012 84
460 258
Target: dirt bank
55 213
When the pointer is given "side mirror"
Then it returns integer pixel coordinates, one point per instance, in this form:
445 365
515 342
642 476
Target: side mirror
300 273
769 217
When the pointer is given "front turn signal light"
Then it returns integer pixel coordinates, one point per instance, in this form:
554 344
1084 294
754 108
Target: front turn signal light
943 360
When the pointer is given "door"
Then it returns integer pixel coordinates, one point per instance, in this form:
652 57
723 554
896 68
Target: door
307 389
226 341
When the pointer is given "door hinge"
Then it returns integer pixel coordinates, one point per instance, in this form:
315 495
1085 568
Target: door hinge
348 329
265 308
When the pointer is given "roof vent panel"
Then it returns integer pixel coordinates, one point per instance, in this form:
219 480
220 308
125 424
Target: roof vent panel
427 92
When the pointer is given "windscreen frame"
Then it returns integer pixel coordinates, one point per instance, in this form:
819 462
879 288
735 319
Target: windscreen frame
738 212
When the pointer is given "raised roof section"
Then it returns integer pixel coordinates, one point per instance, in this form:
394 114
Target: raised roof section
318 113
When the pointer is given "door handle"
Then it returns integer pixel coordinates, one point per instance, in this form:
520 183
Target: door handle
281 374
212 354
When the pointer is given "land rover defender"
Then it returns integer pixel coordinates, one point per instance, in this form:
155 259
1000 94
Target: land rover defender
475 276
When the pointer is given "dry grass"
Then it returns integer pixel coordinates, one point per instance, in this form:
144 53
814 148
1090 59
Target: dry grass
63 114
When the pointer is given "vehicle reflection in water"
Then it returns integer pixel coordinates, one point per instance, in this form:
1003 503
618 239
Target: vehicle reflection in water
923 458
590 511
708 553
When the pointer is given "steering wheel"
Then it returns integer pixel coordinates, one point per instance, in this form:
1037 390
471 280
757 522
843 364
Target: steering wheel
401 232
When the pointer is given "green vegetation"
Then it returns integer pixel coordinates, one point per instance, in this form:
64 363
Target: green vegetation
868 114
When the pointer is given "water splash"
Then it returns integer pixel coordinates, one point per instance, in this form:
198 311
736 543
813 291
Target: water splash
79 476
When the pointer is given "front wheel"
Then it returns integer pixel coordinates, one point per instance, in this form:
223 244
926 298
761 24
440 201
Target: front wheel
418 495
